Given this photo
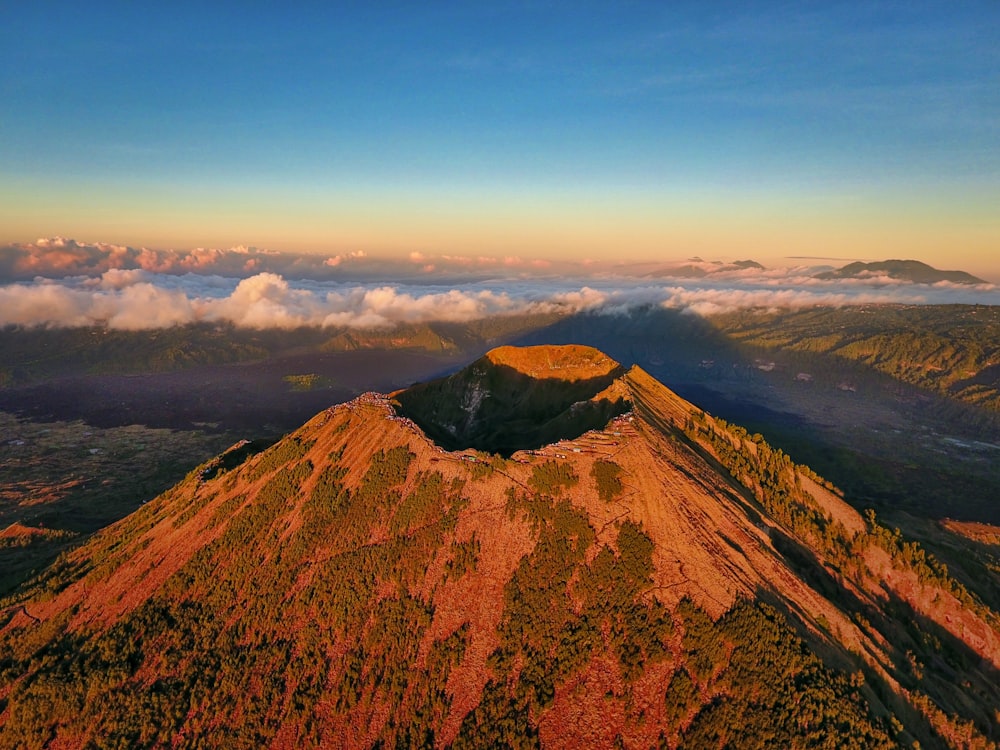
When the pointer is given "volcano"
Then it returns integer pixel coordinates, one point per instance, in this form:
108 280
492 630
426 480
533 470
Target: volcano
543 549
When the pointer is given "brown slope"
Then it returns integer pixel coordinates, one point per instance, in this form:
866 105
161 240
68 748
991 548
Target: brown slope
357 519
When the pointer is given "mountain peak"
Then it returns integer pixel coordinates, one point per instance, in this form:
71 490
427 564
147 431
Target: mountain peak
659 579
518 398
913 271
571 362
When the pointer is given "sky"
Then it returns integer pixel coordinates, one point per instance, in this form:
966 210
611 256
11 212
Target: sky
785 132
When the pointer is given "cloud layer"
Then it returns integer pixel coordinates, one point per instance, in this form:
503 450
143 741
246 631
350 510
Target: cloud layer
59 257
74 285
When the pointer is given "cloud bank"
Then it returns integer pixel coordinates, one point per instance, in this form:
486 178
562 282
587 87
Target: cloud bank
77 285
59 257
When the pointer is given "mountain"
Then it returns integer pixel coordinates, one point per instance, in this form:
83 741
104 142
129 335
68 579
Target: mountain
518 397
696 268
662 579
952 350
236 378
904 270
471 336
899 405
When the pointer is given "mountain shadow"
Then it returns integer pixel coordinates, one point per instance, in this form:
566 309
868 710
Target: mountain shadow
518 399
840 415
668 581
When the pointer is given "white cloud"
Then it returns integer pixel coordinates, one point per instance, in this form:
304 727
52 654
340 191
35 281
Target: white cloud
116 278
336 260
266 300
45 305
145 306
152 289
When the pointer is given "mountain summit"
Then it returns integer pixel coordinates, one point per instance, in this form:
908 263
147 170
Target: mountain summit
518 397
660 579
903 270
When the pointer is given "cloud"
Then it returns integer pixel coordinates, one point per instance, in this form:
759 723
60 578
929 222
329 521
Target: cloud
59 257
121 287
45 305
125 300
707 302
145 306
582 299
117 278
336 260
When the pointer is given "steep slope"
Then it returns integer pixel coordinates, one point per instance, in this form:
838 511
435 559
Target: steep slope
665 580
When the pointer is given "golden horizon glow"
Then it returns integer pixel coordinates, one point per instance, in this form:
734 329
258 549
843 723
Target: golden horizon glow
771 229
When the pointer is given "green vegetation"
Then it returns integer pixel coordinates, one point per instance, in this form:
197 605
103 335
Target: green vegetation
425 337
62 481
423 505
248 620
308 382
952 350
552 477
321 607
33 354
607 476
282 454
463 559
910 556
833 560
770 690
775 482
744 681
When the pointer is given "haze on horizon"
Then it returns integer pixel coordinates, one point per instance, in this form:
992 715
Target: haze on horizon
60 282
549 131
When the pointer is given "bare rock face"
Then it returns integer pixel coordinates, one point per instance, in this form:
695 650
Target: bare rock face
649 576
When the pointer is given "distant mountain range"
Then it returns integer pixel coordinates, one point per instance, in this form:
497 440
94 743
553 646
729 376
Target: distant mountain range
695 268
903 270
627 571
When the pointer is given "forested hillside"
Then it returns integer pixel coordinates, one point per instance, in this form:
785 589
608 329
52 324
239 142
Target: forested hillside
950 350
664 580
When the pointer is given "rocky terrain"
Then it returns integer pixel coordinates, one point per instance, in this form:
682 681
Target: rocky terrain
660 579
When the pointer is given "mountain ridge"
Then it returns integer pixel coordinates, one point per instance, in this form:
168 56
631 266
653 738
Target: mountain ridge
914 271
577 590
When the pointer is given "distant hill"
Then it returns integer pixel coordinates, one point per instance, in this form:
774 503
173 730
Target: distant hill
663 579
419 336
743 264
699 269
904 270
953 351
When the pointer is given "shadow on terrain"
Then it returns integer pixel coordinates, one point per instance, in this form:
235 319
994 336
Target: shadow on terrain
252 399
499 409
882 441
887 444
925 657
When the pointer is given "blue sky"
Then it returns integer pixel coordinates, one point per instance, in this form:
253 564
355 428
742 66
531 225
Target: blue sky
656 128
